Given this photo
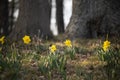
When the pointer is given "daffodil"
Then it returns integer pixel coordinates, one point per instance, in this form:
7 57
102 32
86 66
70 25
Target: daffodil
106 45
53 48
68 43
2 40
26 39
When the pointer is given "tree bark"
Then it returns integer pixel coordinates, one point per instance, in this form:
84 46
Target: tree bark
33 19
4 24
59 16
11 13
91 18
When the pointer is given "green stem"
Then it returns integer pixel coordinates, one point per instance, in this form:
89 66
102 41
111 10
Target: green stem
107 36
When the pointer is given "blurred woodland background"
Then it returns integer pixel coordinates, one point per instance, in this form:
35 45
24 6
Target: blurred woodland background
73 18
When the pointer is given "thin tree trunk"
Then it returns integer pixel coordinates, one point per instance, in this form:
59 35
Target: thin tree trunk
4 24
59 16
12 9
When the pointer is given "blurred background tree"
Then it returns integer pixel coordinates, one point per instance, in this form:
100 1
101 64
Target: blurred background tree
33 19
59 16
93 18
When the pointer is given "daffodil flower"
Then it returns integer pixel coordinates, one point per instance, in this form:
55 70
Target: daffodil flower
106 45
2 40
53 48
68 43
26 39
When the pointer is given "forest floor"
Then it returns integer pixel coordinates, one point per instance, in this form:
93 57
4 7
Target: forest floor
27 62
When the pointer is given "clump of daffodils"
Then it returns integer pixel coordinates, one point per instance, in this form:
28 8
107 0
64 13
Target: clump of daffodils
2 40
68 43
26 39
52 48
106 45
111 58
69 49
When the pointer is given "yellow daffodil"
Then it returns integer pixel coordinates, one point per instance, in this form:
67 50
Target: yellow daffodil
68 43
26 39
53 48
106 45
2 39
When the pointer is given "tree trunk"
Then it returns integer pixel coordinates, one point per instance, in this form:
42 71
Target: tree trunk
11 13
33 19
4 24
91 18
59 16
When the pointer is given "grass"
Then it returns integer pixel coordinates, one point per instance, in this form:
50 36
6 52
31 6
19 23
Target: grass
26 62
